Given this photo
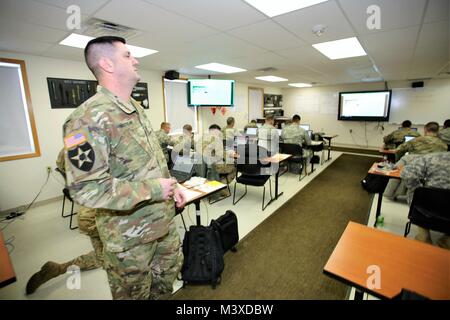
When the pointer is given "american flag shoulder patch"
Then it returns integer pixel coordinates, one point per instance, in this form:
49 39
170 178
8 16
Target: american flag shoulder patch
74 139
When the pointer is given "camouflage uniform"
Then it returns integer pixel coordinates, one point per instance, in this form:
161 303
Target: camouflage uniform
421 145
294 134
392 140
250 125
86 225
434 170
444 134
113 162
268 138
164 141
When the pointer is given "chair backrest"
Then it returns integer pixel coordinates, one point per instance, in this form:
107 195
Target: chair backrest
291 148
249 161
430 209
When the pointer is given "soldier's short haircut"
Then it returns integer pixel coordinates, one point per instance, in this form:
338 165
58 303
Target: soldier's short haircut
447 124
96 48
230 120
164 124
406 124
432 127
187 127
214 126
253 121
270 117
296 118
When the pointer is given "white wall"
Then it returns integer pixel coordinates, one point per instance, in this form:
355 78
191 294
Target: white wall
239 111
20 180
318 106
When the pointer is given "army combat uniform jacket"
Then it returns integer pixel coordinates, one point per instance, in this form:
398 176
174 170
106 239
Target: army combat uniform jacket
164 141
113 162
421 145
444 134
392 140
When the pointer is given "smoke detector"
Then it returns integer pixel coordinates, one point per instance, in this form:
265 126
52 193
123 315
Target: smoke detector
319 29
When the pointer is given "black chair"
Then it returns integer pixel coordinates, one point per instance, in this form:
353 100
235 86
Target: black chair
250 173
296 151
66 195
430 209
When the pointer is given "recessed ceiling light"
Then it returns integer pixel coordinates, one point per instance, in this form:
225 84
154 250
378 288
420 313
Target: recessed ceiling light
271 79
300 85
218 67
340 49
80 41
274 8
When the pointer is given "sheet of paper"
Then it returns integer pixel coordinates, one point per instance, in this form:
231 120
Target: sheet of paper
190 194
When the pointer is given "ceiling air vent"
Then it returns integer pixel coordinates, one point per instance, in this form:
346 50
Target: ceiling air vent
268 69
97 28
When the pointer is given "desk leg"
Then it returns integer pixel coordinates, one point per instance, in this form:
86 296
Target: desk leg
329 149
380 199
197 212
359 295
276 184
312 164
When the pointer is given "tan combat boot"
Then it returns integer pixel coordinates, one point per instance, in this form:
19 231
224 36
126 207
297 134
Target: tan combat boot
48 271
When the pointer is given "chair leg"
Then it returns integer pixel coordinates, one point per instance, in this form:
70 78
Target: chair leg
71 217
182 219
234 194
62 211
407 229
264 193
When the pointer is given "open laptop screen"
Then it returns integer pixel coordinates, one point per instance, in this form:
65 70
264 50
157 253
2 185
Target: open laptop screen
409 138
305 126
251 131
183 164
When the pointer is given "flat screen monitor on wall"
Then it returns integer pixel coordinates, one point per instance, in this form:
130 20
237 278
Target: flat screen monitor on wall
210 92
365 105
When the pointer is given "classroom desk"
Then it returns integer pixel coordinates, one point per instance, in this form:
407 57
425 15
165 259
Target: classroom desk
403 263
7 274
194 195
390 153
276 159
329 137
395 174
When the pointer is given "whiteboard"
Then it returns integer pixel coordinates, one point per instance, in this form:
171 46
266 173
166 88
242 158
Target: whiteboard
421 105
178 113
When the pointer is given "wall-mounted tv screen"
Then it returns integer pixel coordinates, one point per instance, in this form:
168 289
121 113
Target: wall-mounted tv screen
365 105
210 92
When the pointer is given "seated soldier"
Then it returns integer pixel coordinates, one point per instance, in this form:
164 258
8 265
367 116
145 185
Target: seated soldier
431 170
164 139
421 145
268 136
444 133
396 138
293 133
89 261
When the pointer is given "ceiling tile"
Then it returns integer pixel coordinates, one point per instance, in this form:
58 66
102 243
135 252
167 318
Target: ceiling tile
394 13
87 7
438 10
400 39
328 13
258 34
221 15
14 44
159 22
434 34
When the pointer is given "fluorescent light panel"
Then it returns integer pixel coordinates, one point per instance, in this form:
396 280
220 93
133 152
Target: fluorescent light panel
271 79
273 8
218 67
341 49
300 85
80 41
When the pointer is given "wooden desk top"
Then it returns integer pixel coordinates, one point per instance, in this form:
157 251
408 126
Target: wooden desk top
316 143
195 193
384 172
277 158
404 263
387 151
7 274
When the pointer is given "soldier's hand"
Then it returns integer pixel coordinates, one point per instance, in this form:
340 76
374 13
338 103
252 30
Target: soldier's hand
168 187
180 199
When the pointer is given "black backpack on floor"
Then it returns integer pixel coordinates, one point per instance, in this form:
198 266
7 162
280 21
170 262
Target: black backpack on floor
227 226
374 183
203 256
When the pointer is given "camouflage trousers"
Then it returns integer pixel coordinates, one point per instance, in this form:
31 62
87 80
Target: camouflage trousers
147 271
86 225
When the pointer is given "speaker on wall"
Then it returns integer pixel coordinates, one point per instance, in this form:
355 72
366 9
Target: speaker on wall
417 84
172 75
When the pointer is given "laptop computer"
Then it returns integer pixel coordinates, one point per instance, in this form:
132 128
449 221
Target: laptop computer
251 131
409 138
305 126
182 169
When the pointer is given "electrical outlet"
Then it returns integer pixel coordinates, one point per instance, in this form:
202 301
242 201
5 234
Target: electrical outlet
351 130
49 169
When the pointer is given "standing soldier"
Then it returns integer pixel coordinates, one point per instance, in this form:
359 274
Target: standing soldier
114 163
